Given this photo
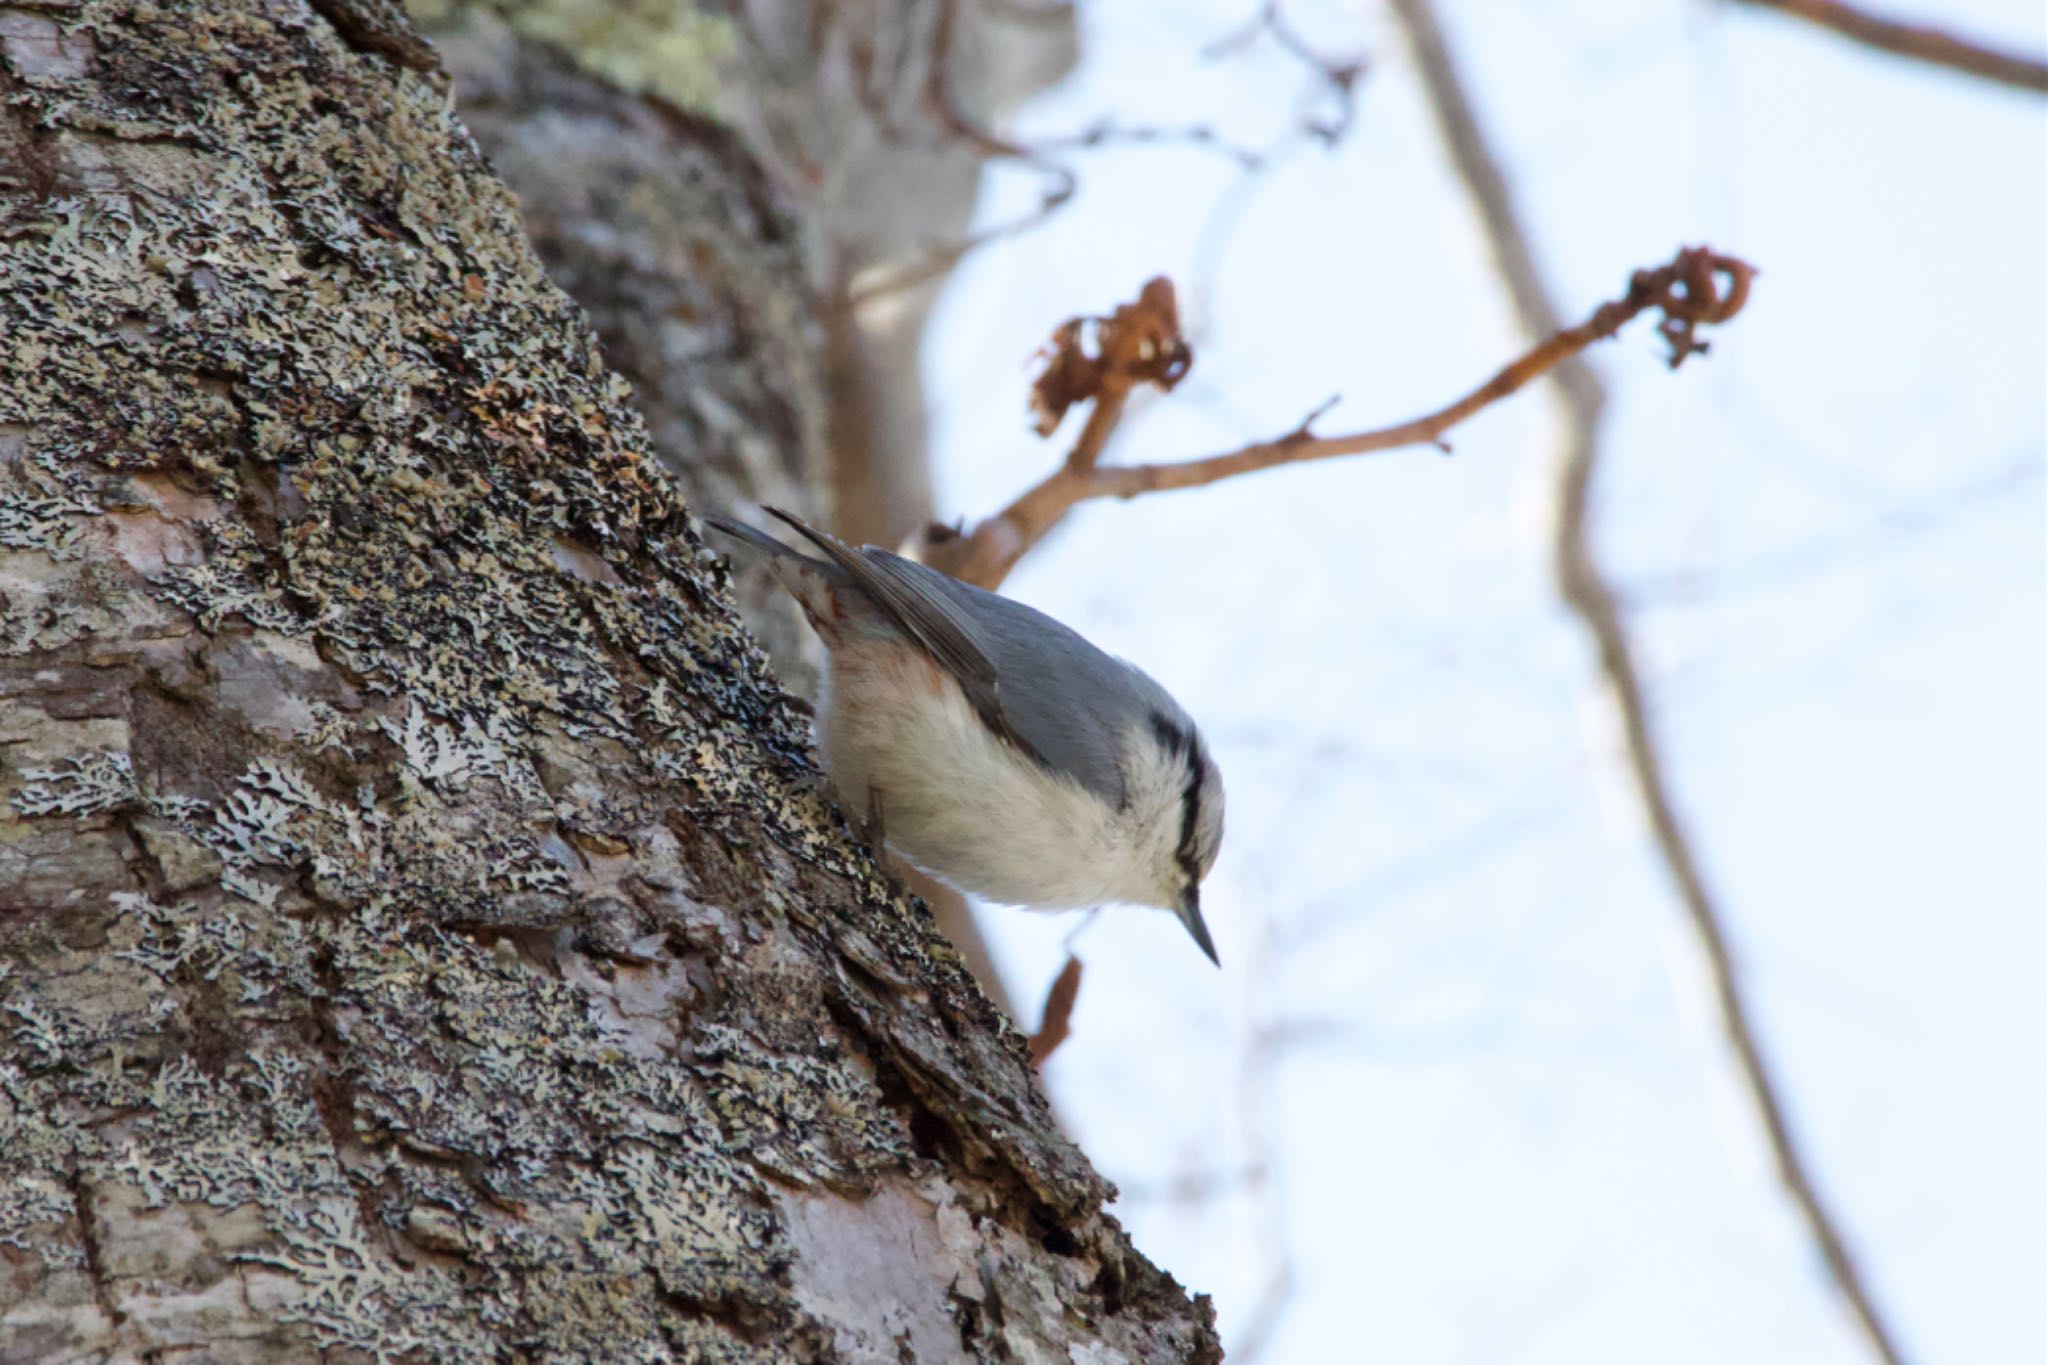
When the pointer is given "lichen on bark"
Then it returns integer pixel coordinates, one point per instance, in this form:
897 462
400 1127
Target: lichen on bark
422 932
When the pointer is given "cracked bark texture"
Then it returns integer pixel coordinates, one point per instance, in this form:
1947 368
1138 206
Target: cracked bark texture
422 936
598 117
689 263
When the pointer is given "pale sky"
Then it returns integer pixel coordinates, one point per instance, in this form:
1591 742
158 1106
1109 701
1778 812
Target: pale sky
1500 1119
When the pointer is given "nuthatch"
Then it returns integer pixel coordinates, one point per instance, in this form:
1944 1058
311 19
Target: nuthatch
1004 754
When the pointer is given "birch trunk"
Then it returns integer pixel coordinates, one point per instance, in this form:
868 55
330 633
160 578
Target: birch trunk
422 936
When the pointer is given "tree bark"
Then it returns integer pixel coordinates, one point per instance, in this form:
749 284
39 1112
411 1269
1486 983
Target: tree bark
838 101
422 935
688 264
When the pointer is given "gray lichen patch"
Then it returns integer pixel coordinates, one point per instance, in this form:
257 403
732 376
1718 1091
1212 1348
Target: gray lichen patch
49 524
421 932
669 236
80 785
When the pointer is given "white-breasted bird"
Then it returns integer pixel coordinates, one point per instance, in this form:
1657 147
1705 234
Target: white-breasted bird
1004 754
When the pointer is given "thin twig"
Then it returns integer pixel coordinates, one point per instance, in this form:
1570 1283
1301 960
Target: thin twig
956 125
936 260
1337 76
1919 42
953 117
1585 588
1698 287
1109 133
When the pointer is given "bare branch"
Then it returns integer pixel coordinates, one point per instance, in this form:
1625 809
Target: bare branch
1110 133
1337 76
1919 42
1698 287
1585 588
956 124
952 116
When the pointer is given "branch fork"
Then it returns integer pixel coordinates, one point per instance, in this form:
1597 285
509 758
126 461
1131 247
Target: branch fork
1100 362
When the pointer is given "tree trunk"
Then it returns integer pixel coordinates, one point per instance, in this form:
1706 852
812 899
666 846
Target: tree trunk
627 194
422 935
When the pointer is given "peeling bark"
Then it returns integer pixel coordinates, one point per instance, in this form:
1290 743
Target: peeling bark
421 933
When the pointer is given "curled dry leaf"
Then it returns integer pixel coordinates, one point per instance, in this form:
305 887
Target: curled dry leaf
1140 343
1057 1021
1699 287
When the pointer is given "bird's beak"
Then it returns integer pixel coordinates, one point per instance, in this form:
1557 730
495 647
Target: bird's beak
1190 913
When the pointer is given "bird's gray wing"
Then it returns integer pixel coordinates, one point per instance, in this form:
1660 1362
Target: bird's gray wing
930 615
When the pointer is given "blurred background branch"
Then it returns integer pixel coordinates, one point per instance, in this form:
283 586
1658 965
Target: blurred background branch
1698 288
1585 588
1916 42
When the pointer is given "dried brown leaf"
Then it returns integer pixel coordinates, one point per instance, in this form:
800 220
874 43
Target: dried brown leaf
1057 1021
1140 343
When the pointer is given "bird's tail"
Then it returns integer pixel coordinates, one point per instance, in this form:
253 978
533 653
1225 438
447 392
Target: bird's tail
752 535
809 580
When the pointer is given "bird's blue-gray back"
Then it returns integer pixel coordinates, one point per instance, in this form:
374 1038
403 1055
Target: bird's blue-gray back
1027 676
1038 663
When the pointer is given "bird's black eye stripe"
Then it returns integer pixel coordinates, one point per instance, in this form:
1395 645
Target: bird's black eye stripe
1185 745
1171 737
1190 814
